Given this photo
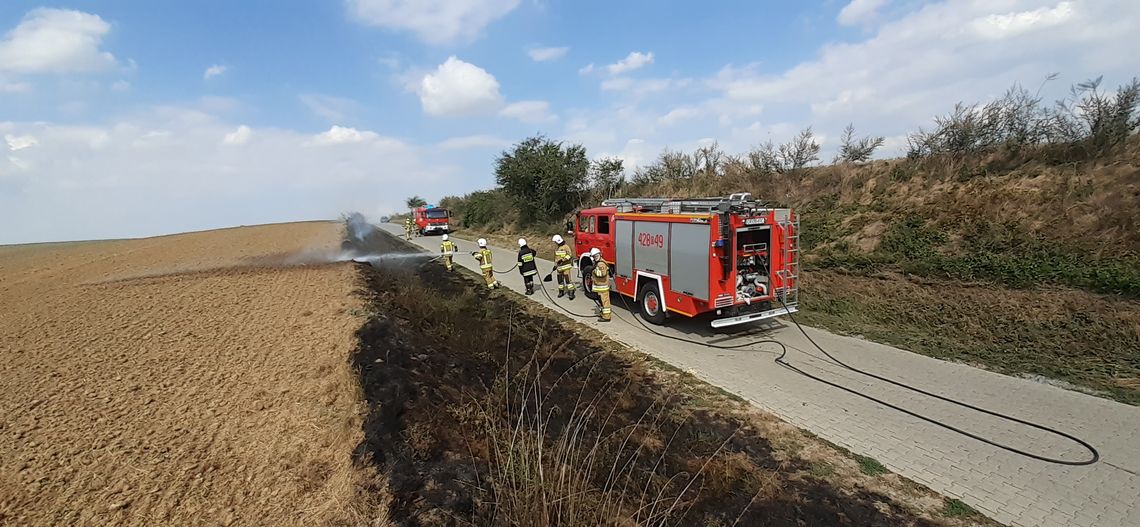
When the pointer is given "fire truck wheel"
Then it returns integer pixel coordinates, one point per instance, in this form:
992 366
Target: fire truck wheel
649 303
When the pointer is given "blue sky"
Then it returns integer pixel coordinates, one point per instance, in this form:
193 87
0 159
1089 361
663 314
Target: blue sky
126 118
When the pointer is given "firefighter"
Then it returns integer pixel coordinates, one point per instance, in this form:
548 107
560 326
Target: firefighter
483 256
527 266
586 270
408 228
564 263
448 248
600 279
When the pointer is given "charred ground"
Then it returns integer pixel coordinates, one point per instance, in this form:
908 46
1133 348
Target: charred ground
470 390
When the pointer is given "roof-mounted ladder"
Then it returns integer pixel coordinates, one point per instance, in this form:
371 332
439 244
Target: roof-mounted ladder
679 206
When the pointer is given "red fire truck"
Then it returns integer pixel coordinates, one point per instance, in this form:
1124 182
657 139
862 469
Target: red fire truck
431 219
733 255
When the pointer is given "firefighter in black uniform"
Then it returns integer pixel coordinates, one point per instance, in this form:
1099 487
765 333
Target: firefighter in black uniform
527 266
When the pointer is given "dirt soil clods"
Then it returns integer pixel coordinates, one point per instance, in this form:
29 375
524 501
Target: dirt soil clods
188 379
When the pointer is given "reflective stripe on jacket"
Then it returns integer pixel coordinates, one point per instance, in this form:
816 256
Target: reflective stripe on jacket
485 259
526 261
447 247
563 258
601 277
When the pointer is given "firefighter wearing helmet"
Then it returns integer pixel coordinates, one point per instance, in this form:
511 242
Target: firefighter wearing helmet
563 264
408 226
483 256
601 283
527 266
447 248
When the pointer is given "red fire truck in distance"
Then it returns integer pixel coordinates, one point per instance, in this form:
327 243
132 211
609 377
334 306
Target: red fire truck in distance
431 220
733 255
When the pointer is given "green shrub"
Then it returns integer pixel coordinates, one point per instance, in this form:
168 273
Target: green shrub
910 239
486 207
955 508
870 466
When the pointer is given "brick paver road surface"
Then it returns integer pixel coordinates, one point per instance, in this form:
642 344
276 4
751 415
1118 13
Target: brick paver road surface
1009 488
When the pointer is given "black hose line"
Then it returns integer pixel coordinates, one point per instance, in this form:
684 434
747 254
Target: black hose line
513 267
555 302
1095 455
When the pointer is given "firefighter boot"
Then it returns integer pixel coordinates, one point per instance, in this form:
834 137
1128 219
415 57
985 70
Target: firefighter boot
606 312
561 292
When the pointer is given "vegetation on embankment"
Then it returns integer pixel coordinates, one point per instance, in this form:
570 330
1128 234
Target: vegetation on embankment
1021 200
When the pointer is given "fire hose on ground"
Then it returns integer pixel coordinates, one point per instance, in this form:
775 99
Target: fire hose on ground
1094 454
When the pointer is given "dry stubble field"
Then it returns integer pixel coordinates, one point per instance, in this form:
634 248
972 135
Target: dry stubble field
190 379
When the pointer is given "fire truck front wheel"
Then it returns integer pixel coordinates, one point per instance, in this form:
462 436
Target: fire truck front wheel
649 304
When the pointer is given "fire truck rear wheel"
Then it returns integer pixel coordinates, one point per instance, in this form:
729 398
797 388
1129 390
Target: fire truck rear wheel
649 304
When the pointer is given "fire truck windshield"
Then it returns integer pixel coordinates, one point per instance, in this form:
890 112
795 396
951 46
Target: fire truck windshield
437 214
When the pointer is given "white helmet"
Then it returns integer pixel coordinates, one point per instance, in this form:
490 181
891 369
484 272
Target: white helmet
444 237
482 242
557 238
522 242
595 252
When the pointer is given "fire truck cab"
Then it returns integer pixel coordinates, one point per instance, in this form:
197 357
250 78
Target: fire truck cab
732 256
431 219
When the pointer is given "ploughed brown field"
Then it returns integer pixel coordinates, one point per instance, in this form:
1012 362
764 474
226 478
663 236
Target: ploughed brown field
199 378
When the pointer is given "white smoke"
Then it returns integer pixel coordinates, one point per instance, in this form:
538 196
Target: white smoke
358 226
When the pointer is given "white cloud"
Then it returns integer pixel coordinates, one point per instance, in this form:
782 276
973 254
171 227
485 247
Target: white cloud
617 84
120 86
238 137
56 41
435 22
545 54
634 153
633 61
14 87
641 87
19 142
677 115
919 64
528 111
214 71
329 108
587 69
480 141
458 88
338 135
860 11
169 170
1001 26
390 60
